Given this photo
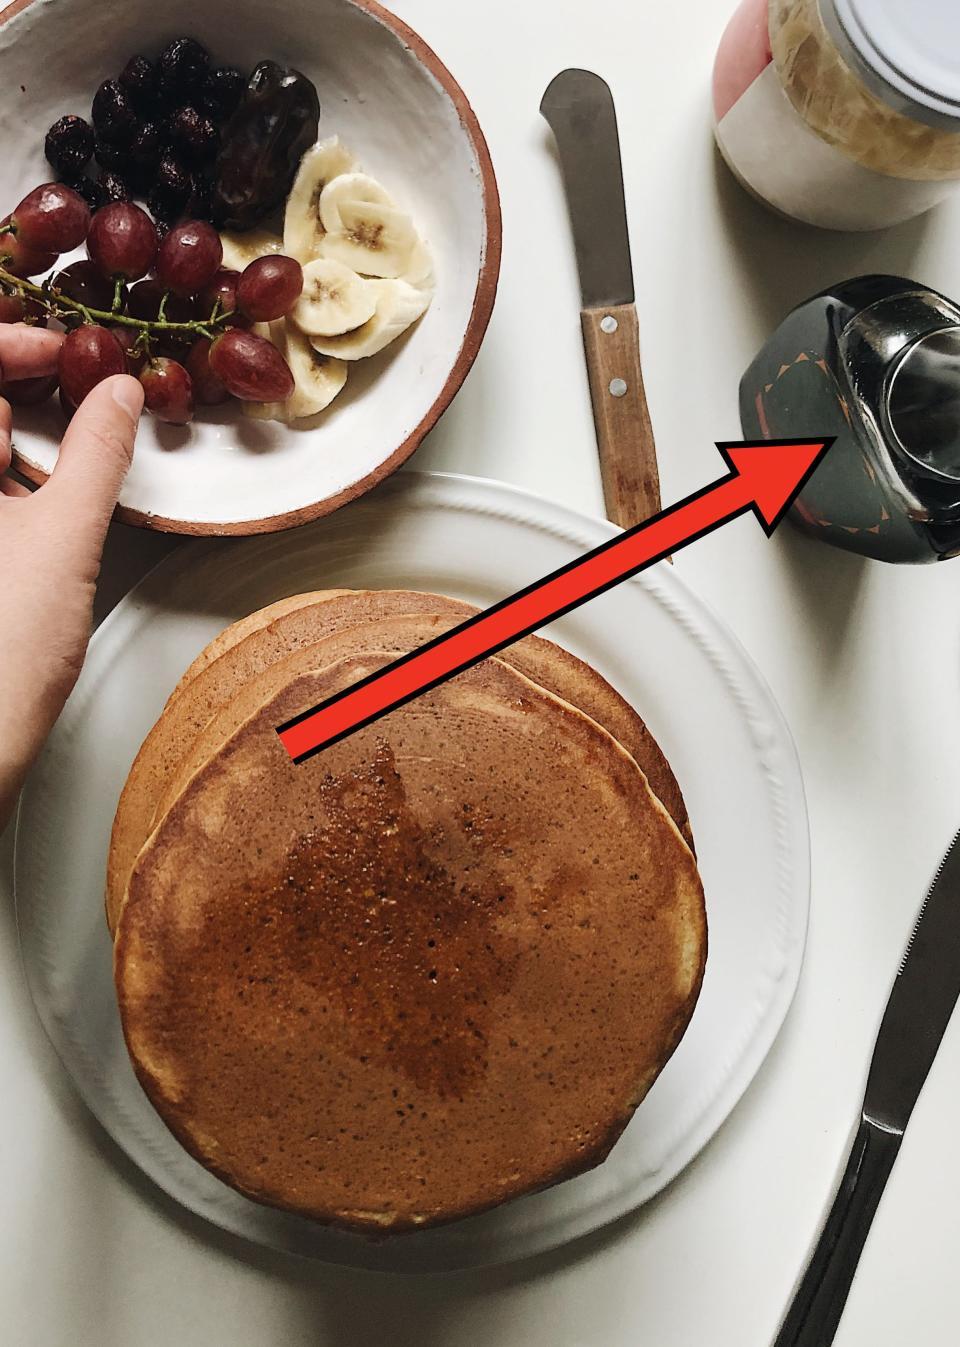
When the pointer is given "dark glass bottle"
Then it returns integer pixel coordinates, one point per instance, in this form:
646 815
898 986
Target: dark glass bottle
874 361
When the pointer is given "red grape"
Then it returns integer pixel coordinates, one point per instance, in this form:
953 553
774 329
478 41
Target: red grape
22 309
128 337
122 240
207 388
88 355
29 392
168 391
12 309
250 367
84 282
144 303
21 260
52 218
269 288
189 257
223 286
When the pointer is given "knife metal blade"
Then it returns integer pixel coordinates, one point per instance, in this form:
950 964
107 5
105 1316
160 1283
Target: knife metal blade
579 108
921 1003
918 1011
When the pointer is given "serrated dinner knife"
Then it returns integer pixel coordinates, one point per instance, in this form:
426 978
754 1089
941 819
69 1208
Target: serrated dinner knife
914 1022
579 108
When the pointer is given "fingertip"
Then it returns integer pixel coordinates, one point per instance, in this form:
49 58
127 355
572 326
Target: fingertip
27 352
97 449
127 392
38 336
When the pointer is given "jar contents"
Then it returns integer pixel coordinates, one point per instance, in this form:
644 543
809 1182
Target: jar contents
833 111
874 362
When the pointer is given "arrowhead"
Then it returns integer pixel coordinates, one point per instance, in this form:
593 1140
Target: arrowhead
774 471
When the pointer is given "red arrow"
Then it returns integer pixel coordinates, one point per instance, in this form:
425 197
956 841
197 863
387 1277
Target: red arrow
764 477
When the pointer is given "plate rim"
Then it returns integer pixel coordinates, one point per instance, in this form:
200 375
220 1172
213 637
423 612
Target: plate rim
792 849
480 313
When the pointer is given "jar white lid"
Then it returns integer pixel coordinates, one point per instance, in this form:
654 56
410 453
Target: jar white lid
907 51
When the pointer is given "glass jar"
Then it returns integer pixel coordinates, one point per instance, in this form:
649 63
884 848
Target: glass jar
842 113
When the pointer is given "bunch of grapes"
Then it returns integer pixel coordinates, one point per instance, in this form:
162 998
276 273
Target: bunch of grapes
163 310
156 129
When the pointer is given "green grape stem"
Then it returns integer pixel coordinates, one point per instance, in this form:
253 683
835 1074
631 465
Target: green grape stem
58 305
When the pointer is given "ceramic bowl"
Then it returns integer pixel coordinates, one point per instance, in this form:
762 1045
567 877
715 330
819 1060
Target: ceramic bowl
397 107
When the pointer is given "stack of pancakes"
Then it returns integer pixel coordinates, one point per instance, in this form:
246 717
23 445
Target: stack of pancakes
437 965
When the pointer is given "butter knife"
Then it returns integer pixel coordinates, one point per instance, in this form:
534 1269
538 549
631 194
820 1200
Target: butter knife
915 1020
579 107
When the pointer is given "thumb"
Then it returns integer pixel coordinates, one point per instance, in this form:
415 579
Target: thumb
95 456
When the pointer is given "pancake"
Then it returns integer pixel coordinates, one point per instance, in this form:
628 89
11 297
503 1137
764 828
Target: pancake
537 659
385 638
188 712
247 626
432 968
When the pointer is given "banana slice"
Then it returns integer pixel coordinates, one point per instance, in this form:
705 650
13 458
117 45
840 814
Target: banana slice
365 230
264 411
419 271
302 230
398 305
319 378
350 187
374 239
334 299
239 250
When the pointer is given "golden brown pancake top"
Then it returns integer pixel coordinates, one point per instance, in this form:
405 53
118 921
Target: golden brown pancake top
187 712
434 967
537 659
250 648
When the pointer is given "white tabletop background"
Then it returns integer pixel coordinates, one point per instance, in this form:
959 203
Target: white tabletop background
865 661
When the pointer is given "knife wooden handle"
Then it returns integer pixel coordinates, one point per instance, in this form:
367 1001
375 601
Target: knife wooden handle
628 455
814 1314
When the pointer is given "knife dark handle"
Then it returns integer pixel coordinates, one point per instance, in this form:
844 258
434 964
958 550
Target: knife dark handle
628 455
814 1314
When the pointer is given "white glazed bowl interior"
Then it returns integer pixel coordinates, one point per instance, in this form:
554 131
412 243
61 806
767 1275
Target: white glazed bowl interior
225 471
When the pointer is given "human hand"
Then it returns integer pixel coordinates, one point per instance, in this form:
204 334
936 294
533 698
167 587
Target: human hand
50 545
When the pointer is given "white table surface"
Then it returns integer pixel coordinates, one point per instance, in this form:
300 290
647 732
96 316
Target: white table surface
864 660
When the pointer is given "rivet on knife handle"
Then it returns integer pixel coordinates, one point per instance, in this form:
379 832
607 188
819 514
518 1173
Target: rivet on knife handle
628 455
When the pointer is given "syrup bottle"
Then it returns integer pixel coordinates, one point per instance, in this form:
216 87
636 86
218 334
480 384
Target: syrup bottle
874 361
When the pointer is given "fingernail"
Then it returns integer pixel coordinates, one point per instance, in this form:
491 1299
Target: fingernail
128 394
